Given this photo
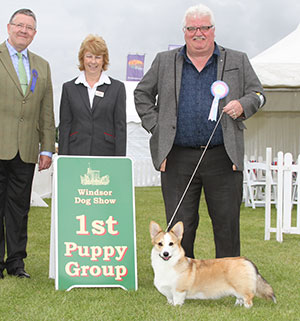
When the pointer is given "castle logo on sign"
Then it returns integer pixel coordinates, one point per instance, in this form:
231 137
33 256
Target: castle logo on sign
92 177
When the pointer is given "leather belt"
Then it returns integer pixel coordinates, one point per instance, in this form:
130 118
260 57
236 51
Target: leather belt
209 147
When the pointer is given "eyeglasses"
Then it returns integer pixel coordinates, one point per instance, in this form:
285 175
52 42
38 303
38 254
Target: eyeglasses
21 26
202 29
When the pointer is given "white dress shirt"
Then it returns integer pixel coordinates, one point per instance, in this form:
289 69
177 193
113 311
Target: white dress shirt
104 79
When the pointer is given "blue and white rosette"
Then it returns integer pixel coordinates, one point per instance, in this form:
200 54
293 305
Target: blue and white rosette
219 89
34 79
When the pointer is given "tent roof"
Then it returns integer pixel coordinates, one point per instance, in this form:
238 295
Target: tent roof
279 65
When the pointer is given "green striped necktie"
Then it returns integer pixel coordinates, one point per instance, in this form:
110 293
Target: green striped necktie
22 73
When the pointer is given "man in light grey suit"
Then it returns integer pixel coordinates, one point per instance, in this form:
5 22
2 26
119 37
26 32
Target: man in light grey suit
174 101
26 129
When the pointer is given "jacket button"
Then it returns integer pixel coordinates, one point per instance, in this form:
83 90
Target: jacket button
24 102
21 119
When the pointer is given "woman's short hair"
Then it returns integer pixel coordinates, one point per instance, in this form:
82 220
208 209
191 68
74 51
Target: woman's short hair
95 45
199 10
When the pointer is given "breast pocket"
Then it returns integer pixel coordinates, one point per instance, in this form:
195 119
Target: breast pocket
234 82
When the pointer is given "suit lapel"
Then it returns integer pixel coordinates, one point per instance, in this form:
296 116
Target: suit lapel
220 76
221 63
178 65
83 91
8 65
33 65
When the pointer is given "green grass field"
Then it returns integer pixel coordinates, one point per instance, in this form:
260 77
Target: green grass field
36 298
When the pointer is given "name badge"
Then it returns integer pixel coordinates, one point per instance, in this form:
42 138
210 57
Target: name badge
99 93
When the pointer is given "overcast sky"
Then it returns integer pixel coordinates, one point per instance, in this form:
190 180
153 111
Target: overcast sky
145 27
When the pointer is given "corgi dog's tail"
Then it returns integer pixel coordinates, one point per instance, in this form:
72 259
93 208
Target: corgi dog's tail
263 288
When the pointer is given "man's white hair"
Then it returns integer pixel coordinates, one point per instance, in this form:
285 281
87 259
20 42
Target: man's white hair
199 10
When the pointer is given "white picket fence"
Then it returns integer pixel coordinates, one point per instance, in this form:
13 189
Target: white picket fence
287 196
144 172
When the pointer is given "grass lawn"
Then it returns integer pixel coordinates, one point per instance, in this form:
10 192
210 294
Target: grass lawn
36 298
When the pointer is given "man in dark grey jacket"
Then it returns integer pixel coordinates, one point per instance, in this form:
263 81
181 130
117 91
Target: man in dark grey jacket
174 100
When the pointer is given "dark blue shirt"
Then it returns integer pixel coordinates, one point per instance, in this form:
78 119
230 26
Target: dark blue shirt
195 99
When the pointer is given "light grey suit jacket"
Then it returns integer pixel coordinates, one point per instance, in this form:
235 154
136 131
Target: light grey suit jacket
157 94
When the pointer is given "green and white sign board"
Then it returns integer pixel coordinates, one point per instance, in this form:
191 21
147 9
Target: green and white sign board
95 223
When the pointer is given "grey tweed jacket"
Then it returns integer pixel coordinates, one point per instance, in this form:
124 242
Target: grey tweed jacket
157 94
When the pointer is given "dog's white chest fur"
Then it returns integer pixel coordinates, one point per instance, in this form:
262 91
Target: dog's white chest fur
163 263
165 277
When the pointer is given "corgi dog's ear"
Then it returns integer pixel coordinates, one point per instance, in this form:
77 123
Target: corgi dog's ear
177 229
154 229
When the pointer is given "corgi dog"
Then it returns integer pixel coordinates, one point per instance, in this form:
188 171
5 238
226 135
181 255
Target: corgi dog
179 277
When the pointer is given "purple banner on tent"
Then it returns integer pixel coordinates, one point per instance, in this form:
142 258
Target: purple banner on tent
135 67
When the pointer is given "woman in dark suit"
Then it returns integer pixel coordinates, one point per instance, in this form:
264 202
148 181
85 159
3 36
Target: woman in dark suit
93 106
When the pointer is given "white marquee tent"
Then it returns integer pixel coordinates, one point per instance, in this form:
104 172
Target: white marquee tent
277 124
138 144
279 65
137 137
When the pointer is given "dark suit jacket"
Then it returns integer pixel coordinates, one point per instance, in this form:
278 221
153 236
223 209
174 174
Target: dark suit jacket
157 94
26 121
96 131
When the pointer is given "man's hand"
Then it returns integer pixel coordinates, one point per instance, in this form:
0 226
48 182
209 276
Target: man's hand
234 109
44 162
163 166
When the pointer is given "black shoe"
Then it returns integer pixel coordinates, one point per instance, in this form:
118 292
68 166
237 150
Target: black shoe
20 273
1 275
